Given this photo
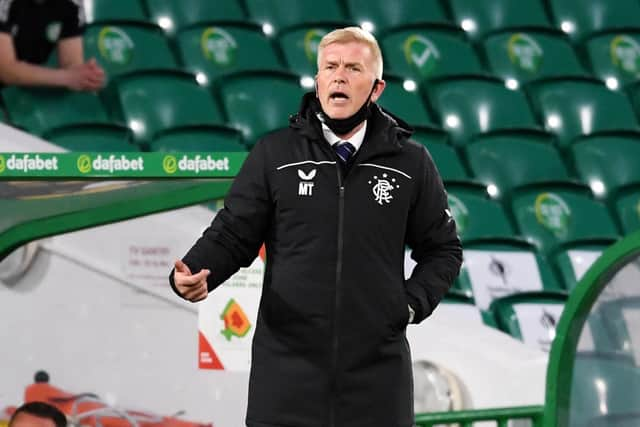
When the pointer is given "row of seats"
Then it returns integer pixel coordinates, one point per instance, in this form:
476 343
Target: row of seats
578 18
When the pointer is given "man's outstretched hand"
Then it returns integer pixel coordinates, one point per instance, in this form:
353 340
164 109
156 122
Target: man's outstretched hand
192 287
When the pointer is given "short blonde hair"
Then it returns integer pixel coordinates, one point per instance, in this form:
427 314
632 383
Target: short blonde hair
354 34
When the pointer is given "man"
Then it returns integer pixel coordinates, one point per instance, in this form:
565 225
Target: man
38 414
329 348
29 31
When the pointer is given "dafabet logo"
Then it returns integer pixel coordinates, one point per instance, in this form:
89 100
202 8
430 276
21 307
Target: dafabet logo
112 163
29 163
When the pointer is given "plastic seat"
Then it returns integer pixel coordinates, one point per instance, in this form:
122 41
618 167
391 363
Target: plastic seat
530 55
551 216
122 47
509 161
39 110
594 157
480 18
282 14
219 50
299 46
154 102
573 261
444 155
575 107
408 105
385 15
615 56
93 138
531 317
257 103
627 206
199 139
581 18
421 52
477 216
470 106
108 10
175 15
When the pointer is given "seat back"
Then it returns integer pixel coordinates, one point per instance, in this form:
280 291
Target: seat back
188 12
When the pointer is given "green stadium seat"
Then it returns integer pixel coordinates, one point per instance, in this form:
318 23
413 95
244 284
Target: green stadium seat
481 17
444 155
572 261
108 10
39 110
594 157
553 215
525 56
582 18
406 104
509 161
223 49
299 46
122 47
282 14
615 57
198 138
152 102
175 15
477 216
113 138
385 15
531 317
571 108
258 103
627 206
468 107
420 52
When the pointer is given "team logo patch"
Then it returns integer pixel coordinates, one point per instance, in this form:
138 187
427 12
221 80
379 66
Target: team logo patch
382 187
305 187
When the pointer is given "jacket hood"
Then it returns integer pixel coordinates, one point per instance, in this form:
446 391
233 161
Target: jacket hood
385 131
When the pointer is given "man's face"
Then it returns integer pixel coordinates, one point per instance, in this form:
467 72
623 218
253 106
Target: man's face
27 420
345 78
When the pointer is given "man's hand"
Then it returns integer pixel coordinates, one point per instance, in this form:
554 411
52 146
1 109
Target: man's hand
88 76
192 287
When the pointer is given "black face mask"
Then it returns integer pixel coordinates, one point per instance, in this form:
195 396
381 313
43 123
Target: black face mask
346 125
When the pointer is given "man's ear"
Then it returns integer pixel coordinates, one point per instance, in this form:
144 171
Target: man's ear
377 91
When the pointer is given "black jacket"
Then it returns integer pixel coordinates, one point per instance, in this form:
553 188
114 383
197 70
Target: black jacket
329 348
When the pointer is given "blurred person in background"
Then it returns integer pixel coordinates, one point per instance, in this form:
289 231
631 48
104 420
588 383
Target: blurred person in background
38 414
29 32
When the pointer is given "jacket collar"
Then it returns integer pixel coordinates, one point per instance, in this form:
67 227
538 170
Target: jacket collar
386 133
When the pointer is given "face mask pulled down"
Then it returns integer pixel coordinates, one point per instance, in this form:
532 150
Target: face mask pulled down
346 125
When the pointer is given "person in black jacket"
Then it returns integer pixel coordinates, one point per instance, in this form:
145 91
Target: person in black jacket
329 348
30 30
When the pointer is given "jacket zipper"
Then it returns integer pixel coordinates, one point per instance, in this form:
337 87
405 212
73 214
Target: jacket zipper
334 346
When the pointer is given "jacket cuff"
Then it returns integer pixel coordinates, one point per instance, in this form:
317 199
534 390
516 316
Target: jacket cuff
172 282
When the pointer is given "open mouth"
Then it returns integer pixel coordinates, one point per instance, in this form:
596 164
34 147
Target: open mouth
338 96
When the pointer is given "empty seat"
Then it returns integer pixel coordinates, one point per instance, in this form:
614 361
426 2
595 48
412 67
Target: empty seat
385 15
154 102
198 138
257 103
550 216
421 52
406 104
287 13
509 161
480 18
299 46
613 161
39 110
573 261
614 57
173 15
477 216
627 206
447 160
468 107
222 49
530 55
580 18
108 10
122 47
93 138
575 107
530 317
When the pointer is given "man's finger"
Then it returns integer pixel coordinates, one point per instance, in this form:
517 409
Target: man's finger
182 267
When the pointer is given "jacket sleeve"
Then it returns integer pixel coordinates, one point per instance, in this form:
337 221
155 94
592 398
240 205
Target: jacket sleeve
237 232
434 243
